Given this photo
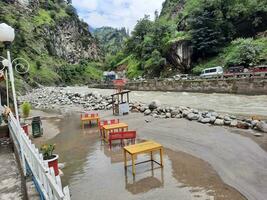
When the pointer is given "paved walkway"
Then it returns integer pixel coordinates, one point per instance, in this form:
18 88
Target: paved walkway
10 180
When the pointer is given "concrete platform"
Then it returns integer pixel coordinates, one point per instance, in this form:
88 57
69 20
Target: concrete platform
10 178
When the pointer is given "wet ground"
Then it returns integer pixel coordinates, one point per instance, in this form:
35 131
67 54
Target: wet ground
93 171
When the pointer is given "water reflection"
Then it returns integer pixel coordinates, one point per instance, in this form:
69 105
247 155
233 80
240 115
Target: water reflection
94 171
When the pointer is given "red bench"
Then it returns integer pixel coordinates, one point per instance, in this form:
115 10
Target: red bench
106 122
129 135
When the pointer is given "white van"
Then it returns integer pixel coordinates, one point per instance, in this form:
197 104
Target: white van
212 72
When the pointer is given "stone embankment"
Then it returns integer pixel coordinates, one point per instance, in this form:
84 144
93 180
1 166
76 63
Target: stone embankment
53 98
247 86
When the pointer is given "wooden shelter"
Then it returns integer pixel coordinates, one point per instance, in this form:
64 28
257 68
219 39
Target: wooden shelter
120 102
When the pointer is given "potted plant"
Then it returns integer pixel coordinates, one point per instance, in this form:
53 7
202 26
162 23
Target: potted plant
26 108
49 157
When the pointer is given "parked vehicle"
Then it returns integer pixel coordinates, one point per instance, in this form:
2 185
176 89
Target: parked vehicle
212 72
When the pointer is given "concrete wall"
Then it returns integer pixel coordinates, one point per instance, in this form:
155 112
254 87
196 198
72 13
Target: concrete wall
255 86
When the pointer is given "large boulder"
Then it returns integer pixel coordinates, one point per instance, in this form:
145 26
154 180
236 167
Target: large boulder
205 120
154 104
192 116
262 126
147 112
219 122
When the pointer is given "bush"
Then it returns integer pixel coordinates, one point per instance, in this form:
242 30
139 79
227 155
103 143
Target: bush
26 108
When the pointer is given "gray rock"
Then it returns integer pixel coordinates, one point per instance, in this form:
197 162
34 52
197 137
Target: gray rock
227 122
214 114
262 126
175 112
147 112
179 116
219 122
205 120
257 134
154 104
142 109
212 119
233 123
185 113
168 115
192 116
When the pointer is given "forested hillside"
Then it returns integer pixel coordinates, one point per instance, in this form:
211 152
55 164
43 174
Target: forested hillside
58 46
208 32
110 39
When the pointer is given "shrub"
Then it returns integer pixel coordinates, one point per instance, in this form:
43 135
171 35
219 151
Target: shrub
26 108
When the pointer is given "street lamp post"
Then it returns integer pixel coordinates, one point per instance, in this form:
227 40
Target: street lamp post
7 36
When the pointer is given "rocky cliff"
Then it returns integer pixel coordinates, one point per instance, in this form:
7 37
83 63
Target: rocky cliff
49 34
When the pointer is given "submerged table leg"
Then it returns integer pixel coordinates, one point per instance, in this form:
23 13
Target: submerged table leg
133 165
125 159
161 157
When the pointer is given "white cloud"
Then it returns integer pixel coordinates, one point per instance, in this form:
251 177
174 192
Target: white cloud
116 13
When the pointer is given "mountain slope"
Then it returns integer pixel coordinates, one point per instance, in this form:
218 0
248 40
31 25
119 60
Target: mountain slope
111 39
51 37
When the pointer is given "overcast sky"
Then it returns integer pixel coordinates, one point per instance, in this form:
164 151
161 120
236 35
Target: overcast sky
115 13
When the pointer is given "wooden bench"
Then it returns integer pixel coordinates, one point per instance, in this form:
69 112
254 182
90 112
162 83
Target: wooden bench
106 122
89 118
111 128
145 147
129 135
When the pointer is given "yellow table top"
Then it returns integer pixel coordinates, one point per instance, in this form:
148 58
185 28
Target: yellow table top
115 126
142 147
89 118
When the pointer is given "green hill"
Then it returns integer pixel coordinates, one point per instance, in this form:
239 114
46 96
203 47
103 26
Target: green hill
58 46
110 39
190 35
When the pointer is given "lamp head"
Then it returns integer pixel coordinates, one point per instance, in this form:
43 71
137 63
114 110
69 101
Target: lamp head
7 33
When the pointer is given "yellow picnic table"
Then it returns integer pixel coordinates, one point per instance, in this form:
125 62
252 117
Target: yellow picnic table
144 147
112 127
89 119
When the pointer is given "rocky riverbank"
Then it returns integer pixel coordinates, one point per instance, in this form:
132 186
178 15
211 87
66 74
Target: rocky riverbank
55 98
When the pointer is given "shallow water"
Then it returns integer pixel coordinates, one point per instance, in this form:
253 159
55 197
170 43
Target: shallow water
93 171
225 103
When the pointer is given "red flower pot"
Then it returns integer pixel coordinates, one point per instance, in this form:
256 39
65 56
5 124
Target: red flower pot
53 162
25 128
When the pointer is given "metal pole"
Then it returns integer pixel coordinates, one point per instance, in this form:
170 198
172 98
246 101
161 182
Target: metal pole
11 77
7 91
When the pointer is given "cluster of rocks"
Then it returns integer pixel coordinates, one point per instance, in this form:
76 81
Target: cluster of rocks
206 117
49 98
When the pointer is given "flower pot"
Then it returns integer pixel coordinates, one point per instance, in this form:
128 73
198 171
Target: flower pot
25 128
53 162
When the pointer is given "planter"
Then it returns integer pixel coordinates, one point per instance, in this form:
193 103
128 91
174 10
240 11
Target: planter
25 128
53 162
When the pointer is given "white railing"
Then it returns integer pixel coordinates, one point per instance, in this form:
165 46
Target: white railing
48 185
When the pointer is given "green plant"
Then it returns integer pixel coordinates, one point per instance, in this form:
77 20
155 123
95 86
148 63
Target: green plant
26 108
47 151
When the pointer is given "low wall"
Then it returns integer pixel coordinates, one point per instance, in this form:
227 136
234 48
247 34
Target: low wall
253 86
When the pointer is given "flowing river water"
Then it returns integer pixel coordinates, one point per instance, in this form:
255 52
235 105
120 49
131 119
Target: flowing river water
224 103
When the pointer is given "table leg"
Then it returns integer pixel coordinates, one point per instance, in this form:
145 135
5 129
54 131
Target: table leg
151 156
133 165
161 157
125 159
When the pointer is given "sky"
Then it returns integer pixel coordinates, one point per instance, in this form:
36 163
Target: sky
115 13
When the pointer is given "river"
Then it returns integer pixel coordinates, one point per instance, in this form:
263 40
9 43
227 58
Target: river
223 103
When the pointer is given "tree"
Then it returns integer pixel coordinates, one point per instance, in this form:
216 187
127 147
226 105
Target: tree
206 27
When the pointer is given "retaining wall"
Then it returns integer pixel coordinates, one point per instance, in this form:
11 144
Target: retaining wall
248 86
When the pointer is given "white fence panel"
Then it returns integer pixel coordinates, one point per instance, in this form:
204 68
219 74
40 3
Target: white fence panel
49 184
